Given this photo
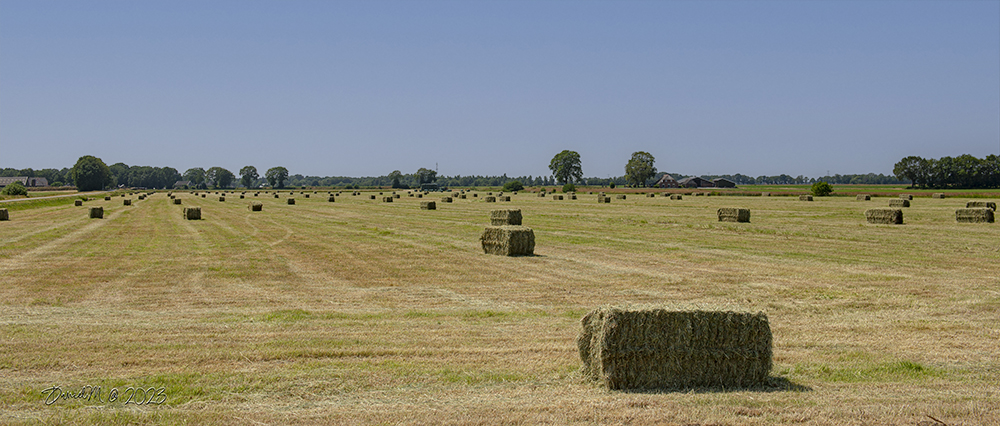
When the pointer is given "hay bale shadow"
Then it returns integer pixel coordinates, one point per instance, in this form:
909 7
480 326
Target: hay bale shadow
771 384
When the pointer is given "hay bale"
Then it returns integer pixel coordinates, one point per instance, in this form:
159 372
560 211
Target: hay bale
899 203
291 201
503 217
222 199
650 195
603 200
541 194
490 199
107 198
203 195
177 200
905 197
420 195
275 195
734 214
805 197
983 215
462 196
428 205
676 197
938 195
4 215
387 199
307 195
256 206
331 199
981 205
884 216
572 197
78 203
475 195
765 194
864 197
508 240
242 196
620 197
127 202
504 198
658 348
557 197
192 213
446 199
395 195
97 212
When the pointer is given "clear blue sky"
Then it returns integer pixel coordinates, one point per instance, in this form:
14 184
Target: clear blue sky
479 87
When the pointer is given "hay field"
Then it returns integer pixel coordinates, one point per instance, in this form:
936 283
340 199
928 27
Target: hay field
364 312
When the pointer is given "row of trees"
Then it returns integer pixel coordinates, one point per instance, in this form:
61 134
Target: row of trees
964 171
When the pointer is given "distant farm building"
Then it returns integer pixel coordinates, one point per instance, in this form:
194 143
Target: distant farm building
182 184
695 182
723 183
26 181
666 181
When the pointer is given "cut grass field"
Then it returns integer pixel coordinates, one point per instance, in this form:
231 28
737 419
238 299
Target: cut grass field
363 312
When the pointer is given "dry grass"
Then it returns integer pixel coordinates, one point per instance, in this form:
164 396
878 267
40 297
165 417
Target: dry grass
370 314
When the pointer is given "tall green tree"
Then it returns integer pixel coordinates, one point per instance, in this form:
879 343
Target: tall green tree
276 176
196 175
395 176
911 168
120 172
639 168
248 175
219 177
91 174
566 168
426 176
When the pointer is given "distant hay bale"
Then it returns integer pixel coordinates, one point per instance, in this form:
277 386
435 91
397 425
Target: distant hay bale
428 205
658 348
864 197
222 199
256 206
462 196
508 240
97 212
395 195
938 195
620 197
490 199
275 195
981 205
445 199
127 202
242 196
291 201
371 197
765 194
203 195
650 195
805 197
541 194
420 195
899 203
698 194
982 215
192 213
177 200
676 197
107 198
734 214
503 217
306 195
557 197
475 195
503 198
4 215
387 199
884 216
78 203
571 197
905 197
603 200
331 199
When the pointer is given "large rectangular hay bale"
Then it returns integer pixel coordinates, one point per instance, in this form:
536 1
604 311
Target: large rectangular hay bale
387 199
177 200
4 215
291 201
97 212
620 197
676 197
665 349
222 199
805 197
503 198
905 197
78 203
651 195
939 195
331 199
127 202
557 197
256 206
505 217
508 240
603 200
428 205
899 203
981 205
107 198
445 199
491 199
982 215
884 216
864 197
192 213
734 214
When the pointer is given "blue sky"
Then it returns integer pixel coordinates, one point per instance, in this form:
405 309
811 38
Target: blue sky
479 87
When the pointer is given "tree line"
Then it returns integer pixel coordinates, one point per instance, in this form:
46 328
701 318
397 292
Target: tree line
964 171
